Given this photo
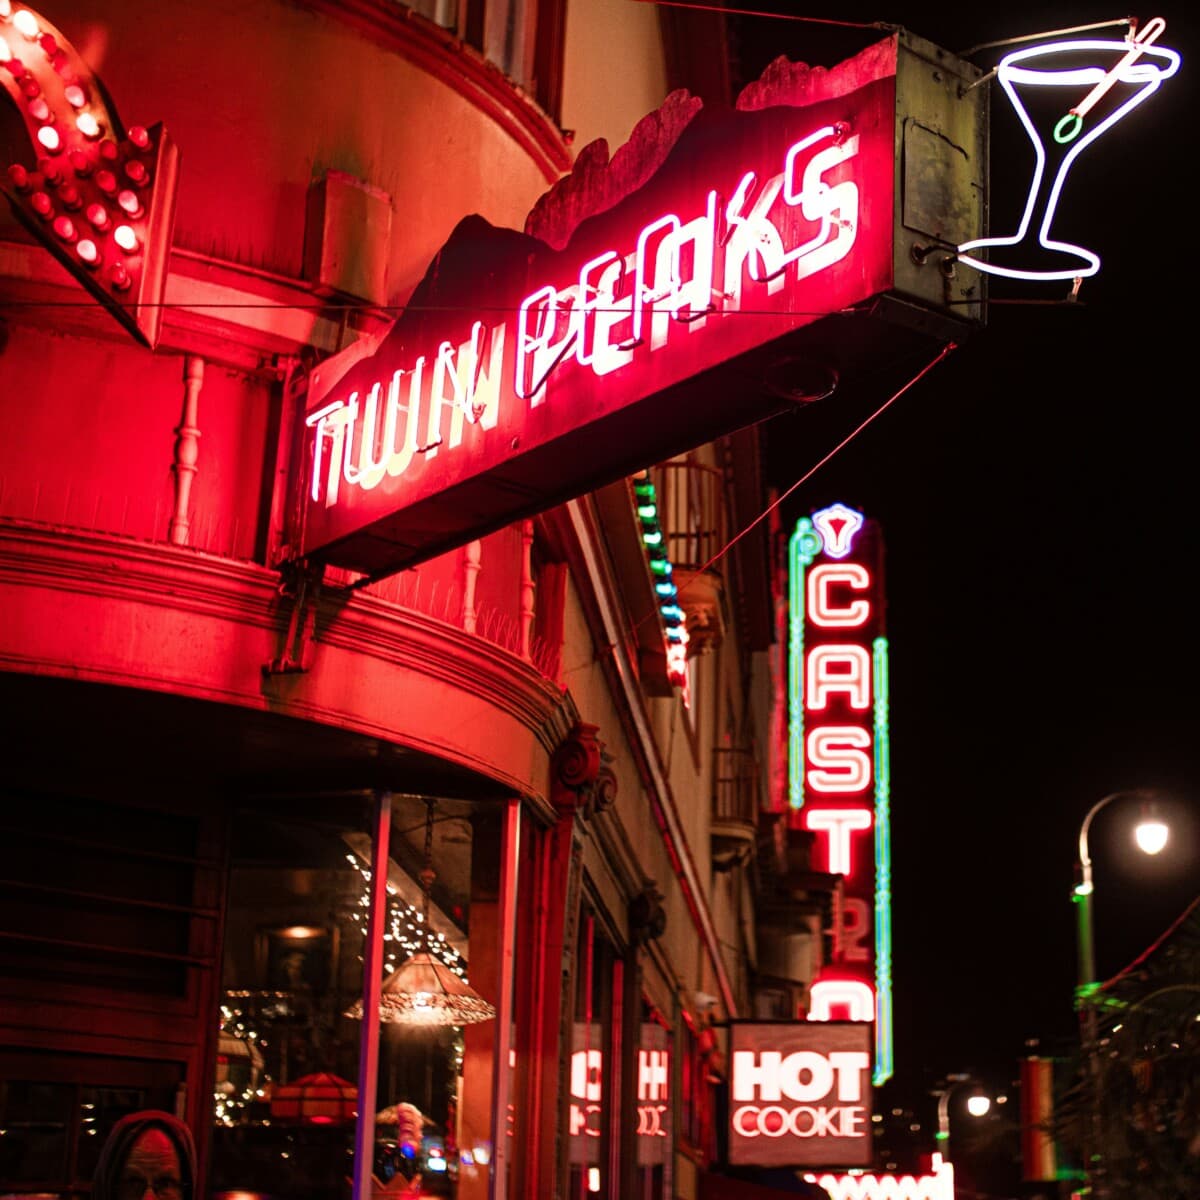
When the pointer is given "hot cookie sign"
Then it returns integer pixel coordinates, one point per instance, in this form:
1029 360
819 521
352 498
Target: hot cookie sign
800 1094
838 755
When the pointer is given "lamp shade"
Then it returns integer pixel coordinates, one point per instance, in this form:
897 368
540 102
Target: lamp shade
320 1099
424 991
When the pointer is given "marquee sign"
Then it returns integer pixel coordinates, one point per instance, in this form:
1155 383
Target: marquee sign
99 195
938 1185
763 245
838 755
800 1094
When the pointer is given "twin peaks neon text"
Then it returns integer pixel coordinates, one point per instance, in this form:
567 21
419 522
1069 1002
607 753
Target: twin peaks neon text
622 305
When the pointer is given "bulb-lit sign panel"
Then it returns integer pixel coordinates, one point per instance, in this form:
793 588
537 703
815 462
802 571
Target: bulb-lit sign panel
838 755
521 375
939 1185
799 1094
98 195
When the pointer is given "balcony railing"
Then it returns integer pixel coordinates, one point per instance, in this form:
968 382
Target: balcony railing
694 516
736 792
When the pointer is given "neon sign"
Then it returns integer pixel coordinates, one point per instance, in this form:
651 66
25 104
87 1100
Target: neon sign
649 297
938 1186
838 756
99 195
1106 80
674 297
799 1094
674 619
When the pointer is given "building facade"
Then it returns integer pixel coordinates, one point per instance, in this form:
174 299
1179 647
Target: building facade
233 777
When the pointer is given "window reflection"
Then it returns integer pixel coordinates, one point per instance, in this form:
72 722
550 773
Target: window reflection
286 1090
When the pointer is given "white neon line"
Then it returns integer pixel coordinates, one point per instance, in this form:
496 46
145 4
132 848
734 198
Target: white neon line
1136 50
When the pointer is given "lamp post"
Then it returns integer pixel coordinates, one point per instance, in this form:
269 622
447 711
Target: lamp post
1151 836
977 1105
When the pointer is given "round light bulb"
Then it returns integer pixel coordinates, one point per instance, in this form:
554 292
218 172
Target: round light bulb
1151 835
978 1105
25 22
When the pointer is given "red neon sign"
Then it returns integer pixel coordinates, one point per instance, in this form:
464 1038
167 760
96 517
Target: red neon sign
763 244
522 375
838 756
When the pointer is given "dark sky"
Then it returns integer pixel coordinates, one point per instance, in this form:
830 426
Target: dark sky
1037 493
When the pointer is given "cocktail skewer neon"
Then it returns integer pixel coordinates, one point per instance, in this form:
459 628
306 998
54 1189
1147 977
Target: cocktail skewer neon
1070 125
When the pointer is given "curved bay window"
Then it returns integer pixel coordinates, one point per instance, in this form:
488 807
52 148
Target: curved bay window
523 38
286 1103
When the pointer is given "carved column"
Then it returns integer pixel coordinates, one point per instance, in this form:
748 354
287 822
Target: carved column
187 449
528 594
472 561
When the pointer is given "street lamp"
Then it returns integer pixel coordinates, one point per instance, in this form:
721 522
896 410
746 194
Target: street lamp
978 1103
1150 835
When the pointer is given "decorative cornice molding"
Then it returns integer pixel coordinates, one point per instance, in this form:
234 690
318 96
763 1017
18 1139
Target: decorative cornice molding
447 57
144 575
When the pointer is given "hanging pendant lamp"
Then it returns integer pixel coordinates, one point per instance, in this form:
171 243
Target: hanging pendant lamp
423 990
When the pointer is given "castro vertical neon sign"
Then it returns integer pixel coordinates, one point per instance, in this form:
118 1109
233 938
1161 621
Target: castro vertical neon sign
838 755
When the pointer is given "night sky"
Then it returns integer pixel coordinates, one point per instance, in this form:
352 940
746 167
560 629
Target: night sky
1037 492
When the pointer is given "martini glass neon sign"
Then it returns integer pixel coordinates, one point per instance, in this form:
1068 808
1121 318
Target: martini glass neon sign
1106 80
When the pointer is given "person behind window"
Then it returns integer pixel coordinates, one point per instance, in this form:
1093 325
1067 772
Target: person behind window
149 1155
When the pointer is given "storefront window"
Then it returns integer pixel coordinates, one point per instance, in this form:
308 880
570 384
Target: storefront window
287 1094
593 1085
655 1145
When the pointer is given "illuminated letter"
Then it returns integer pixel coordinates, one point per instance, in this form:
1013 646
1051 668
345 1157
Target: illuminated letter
602 312
835 206
666 293
816 1066
460 373
739 1124
373 452
838 824
747 1075
853 930
403 455
328 439
822 611
836 758
831 670
849 1066
556 324
586 1066
652 1074
857 996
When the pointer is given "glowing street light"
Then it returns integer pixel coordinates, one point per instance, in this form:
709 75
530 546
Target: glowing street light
978 1104
1150 835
